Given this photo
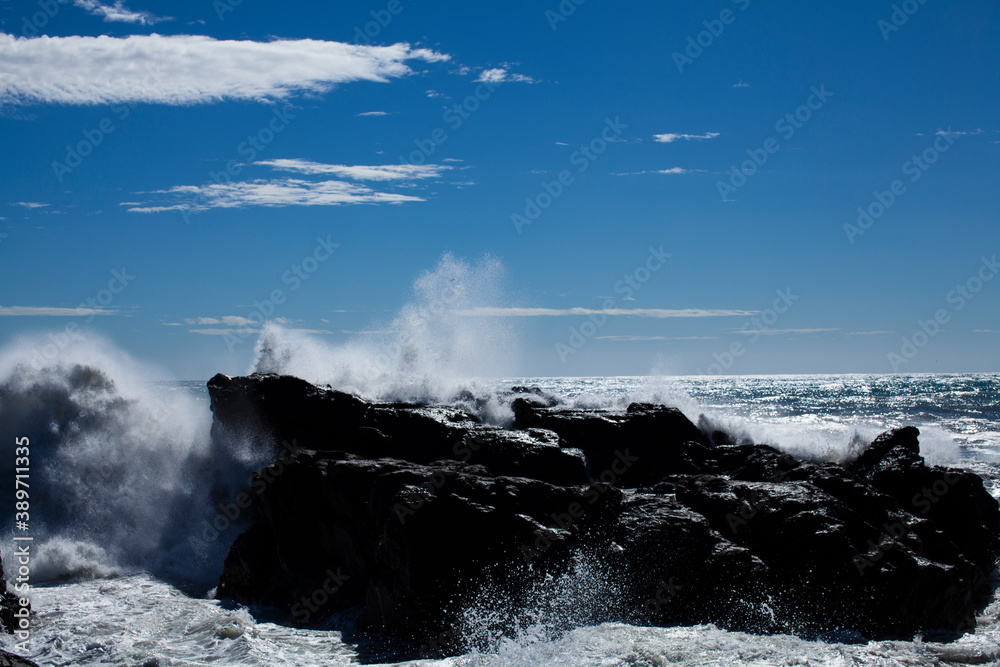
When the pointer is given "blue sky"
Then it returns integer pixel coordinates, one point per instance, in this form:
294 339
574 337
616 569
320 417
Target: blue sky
658 180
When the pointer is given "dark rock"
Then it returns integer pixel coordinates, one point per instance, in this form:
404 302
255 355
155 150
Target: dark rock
401 515
288 410
655 434
403 541
13 660
8 623
8 605
536 395
955 501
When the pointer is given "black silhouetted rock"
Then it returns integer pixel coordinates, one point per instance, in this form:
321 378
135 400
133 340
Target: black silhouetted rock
654 433
290 410
13 660
397 516
9 605
953 500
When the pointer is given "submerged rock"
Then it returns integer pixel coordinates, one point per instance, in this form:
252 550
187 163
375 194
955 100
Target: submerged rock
391 519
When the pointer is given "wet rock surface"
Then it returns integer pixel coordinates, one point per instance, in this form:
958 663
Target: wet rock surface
391 519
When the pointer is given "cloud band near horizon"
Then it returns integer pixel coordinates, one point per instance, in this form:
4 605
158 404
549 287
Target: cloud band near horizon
660 313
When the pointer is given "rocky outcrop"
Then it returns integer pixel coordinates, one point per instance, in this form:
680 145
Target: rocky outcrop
393 519
13 660
293 412
8 605
8 623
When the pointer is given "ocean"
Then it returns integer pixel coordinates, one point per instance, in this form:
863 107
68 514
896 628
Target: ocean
124 473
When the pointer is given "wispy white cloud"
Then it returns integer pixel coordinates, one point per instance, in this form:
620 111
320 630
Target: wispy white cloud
231 320
628 338
985 331
869 333
696 338
118 12
672 170
187 69
775 332
224 332
956 133
503 75
372 113
388 172
741 84
28 204
46 311
659 313
268 193
249 331
670 138
291 191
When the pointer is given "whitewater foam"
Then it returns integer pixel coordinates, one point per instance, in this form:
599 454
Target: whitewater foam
120 465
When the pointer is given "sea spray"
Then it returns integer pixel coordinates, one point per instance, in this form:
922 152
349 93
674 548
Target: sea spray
432 351
507 623
125 466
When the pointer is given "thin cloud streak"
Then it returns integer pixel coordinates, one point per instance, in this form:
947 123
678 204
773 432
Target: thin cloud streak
502 75
118 12
46 311
672 170
670 137
272 193
387 172
775 332
658 313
